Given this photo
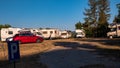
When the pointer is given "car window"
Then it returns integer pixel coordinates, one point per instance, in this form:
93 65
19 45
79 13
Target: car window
26 34
22 34
16 35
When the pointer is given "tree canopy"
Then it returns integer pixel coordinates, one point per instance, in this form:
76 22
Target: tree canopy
4 26
78 25
96 18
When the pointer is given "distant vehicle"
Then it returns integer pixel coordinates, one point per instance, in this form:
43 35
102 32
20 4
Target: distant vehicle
8 32
114 31
65 34
27 38
50 33
79 33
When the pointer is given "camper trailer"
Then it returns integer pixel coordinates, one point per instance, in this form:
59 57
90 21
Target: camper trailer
79 33
35 31
65 34
114 31
50 33
8 32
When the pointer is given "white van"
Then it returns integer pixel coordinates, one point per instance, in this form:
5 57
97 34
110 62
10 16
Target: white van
79 33
65 34
8 32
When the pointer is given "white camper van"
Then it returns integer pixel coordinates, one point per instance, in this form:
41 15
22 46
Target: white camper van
65 34
79 33
8 32
36 32
115 31
50 33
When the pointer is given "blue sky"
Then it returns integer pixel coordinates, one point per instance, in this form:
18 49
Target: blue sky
62 14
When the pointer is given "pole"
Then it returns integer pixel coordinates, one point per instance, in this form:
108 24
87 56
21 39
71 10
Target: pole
14 64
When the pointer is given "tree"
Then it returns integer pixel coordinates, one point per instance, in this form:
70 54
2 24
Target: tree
97 16
4 26
91 18
78 25
116 20
103 10
91 13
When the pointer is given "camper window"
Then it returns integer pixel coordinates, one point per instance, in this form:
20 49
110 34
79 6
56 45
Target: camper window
45 32
38 33
10 32
113 29
80 33
51 32
64 34
119 28
55 32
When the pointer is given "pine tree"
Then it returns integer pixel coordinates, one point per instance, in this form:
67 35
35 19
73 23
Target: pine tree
97 16
91 13
103 10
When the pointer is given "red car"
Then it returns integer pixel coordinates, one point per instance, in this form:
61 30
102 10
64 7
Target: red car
27 38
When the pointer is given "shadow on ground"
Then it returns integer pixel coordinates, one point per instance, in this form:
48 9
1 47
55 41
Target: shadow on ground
105 41
104 52
28 61
109 54
24 62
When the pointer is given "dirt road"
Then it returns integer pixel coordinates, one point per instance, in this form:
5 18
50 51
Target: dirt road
69 53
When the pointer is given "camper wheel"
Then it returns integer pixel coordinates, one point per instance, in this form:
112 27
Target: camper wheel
111 37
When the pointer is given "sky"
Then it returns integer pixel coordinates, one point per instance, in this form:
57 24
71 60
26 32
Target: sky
61 14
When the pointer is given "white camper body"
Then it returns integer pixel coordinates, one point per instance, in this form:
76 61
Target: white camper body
36 32
50 33
65 34
8 32
115 31
79 33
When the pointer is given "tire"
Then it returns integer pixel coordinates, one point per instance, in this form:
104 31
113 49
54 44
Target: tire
19 41
38 41
110 37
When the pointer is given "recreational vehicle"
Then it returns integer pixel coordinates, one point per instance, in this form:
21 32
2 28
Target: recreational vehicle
114 31
65 34
50 33
79 33
36 32
8 32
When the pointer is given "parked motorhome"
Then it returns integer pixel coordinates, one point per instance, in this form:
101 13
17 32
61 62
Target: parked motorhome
114 31
79 33
35 31
8 32
50 33
65 34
